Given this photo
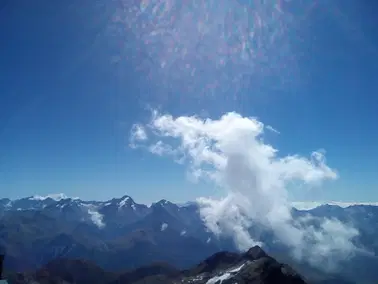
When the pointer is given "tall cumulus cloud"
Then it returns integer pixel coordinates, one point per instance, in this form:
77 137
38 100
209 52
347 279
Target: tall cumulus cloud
231 153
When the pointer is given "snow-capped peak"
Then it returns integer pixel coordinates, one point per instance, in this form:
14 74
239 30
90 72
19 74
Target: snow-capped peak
126 201
164 203
309 205
54 196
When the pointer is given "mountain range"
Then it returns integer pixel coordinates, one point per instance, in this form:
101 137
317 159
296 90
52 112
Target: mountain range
121 234
252 266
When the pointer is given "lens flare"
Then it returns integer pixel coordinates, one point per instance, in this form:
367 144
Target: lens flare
214 48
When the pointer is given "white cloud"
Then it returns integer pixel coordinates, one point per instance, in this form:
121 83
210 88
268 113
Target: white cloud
161 149
96 217
231 153
164 226
270 128
138 134
331 243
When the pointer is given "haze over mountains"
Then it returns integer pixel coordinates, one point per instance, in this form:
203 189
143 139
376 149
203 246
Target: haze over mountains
121 234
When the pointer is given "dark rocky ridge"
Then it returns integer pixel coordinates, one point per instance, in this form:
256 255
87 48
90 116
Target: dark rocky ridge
254 266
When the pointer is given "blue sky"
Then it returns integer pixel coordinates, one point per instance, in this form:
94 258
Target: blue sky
71 88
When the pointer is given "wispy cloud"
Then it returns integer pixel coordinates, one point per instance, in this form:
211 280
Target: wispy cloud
270 128
137 135
230 152
96 217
